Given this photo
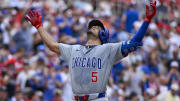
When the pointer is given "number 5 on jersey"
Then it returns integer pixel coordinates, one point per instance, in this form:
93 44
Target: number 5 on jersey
94 77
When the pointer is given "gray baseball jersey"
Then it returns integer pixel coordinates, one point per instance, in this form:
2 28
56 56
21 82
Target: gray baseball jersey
90 66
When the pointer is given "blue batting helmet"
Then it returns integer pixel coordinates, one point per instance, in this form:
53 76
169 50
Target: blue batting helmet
103 33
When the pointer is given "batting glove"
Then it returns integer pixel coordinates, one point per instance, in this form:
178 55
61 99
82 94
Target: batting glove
150 14
35 18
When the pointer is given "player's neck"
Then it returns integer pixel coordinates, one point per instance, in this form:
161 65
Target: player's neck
93 42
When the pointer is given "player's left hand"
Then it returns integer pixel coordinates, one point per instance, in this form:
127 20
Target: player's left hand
150 14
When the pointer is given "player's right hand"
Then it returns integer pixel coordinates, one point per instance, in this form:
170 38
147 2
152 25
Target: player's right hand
34 17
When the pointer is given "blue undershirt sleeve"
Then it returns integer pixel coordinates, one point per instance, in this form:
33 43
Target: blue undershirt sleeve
136 41
141 32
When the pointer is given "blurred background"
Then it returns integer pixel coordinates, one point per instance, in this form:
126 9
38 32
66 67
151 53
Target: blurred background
30 72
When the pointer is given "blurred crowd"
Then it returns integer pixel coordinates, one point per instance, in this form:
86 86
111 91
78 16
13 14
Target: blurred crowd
29 71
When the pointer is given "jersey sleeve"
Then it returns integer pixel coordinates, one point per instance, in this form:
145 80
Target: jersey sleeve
65 51
116 53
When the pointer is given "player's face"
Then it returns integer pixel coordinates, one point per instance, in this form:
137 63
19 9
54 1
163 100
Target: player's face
95 30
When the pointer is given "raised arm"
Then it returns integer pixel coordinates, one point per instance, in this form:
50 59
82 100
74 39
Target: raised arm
142 31
35 19
136 41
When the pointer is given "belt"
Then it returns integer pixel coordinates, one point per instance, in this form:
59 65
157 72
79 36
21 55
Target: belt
89 97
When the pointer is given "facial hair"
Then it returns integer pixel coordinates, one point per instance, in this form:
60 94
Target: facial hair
91 33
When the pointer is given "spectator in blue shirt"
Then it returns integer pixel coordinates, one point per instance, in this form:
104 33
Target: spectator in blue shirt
23 38
53 80
130 16
173 75
117 71
150 66
65 22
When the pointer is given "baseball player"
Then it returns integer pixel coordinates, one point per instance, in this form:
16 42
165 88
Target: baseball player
90 64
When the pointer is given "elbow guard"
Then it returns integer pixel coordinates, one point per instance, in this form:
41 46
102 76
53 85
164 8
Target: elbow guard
129 46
